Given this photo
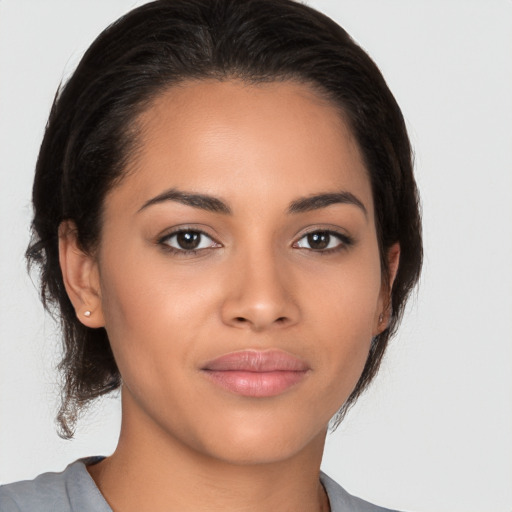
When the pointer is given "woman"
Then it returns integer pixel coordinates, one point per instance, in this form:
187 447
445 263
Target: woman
227 222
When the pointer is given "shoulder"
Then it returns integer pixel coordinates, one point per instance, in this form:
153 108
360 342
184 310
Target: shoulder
341 501
68 491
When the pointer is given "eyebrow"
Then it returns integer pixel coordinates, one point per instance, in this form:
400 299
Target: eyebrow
307 204
216 205
202 201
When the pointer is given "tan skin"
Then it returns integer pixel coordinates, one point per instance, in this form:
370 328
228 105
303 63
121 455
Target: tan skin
256 281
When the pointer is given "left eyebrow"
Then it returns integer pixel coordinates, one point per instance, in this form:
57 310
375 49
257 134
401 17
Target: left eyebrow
316 202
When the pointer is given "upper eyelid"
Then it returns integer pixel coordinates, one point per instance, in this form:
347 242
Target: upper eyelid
164 242
331 230
338 232
176 231
345 240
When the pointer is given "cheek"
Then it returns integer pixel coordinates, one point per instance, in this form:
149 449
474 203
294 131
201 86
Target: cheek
346 296
149 313
344 306
158 312
141 290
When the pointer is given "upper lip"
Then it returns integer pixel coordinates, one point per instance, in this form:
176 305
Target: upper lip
257 361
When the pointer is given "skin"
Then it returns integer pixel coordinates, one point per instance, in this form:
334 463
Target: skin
255 283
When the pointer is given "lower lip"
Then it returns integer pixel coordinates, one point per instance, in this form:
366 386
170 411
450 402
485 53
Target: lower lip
256 384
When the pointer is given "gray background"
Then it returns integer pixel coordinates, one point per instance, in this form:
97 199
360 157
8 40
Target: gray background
434 433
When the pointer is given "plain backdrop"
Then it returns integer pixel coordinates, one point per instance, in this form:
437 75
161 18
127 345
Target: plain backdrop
434 432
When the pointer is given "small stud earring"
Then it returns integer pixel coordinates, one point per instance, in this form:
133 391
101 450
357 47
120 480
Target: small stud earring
87 314
381 318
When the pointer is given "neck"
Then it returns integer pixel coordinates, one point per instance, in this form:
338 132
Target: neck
151 470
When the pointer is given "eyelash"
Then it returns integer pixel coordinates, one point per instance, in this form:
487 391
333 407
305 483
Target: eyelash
345 242
163 242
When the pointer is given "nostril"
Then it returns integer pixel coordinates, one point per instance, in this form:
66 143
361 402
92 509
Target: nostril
242 320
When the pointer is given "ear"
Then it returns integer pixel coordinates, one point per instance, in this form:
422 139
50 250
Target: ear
384 309
81 277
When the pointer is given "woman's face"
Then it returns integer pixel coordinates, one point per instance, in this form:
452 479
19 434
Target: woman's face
238 270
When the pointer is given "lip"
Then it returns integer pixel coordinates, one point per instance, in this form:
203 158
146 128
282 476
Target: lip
256 373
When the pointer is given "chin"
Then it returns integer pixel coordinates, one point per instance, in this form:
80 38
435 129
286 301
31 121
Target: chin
262 443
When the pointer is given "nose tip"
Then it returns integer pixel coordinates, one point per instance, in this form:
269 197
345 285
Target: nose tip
259 300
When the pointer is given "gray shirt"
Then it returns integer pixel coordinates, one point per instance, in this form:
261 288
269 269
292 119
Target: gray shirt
73 490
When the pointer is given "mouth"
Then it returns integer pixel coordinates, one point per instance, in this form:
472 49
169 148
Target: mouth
256 373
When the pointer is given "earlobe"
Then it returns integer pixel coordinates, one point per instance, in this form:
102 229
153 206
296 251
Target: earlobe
80 276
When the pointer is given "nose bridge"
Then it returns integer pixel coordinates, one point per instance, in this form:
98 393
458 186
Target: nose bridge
260 294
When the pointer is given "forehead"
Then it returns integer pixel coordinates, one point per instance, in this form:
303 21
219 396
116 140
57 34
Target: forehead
247 143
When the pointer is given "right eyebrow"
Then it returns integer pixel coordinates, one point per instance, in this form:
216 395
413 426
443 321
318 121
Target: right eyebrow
202 201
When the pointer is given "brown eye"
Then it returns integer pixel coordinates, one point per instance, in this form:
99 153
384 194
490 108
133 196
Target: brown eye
319 240
323 241
188 240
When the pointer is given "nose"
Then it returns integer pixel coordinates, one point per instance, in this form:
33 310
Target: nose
259 294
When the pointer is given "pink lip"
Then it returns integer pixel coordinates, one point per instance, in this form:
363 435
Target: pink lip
256 373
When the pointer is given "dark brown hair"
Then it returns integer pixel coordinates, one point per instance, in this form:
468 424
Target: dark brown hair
91 134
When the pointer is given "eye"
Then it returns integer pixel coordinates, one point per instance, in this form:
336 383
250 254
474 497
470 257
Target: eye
188 240
323 241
